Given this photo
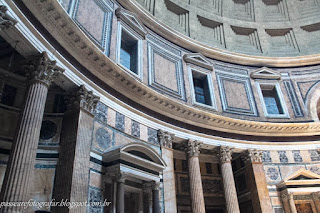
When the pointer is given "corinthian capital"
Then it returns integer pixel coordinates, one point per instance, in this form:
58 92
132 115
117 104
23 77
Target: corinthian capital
165 138
84 99
193 148
225 154
5 20
41 69
252 156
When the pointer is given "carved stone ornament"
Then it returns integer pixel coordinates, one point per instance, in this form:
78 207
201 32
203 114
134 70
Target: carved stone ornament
5 20
193 148
120 176
156 185
41 69
165 138
316 195
225 154
252 156
83 99
284 197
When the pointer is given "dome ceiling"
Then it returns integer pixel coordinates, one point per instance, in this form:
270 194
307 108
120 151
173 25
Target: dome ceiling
270 28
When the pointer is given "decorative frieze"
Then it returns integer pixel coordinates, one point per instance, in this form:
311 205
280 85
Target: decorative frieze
5 20
225 154
42 69
165 138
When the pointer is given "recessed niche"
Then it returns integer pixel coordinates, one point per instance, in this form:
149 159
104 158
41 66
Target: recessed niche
212 28
246 40
243 9
312 31
282 42
275 10
177 17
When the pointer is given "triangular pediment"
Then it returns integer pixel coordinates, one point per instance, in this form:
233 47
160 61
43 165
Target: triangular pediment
265 73
300 177
132 20
302 174
198 59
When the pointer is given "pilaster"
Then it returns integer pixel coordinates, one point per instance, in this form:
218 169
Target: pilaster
24 148
316 200
72 173
256 180
169 188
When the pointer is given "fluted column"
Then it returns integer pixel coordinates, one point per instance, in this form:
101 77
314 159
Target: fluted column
169 188
5 20
155 197
291 203
196 191
72 173
120 179
230 191
256 180
41 71
316 200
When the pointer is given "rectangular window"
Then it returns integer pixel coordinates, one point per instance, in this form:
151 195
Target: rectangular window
8 95
272 101
129 52
201 88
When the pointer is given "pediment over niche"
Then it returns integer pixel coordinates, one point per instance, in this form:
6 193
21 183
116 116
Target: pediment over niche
265 73
301 177
132 20
198 59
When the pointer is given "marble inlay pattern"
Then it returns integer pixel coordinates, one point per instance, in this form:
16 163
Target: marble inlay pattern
120 122
296 156
153 136
266 158
273 173
135 129
283 156
103 138
314 155
95 195
101 112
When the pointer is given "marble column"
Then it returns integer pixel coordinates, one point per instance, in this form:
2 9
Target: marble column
120 179
256 180
155 197
285 202
291 203
5 20
72 173
196 191
316 200
169 188
147 198
41 71
230 192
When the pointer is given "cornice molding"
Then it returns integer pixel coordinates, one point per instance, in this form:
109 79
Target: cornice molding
53 16
178 38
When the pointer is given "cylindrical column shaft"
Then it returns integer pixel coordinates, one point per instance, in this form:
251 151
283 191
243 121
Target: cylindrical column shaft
120 197
196 191
230 192
24 149
291 204
155 203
